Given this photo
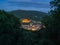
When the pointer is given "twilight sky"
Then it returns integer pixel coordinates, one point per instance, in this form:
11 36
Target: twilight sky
37 5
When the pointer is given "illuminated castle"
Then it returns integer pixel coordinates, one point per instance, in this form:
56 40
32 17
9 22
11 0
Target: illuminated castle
26 21
31 25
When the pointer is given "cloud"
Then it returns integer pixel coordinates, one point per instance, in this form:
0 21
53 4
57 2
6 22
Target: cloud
29 0
25 5
10 8
20 0
30 4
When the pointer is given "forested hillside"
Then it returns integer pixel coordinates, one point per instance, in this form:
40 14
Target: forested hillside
35 15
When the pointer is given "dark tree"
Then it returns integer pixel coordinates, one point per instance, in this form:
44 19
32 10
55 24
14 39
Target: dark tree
9 24
55 36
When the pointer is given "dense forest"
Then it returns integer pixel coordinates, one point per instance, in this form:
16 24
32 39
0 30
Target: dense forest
12 34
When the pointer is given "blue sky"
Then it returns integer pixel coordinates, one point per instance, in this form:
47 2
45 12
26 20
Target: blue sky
37 5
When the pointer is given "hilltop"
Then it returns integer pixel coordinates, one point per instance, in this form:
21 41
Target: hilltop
35 15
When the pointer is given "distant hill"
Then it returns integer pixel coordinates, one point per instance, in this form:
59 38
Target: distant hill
35 15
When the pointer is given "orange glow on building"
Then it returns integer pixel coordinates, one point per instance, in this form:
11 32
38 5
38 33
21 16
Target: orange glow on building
31 25
26 21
